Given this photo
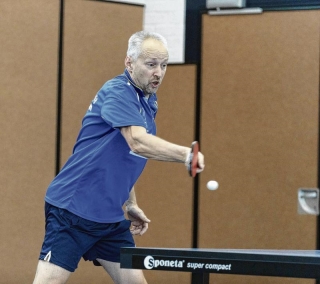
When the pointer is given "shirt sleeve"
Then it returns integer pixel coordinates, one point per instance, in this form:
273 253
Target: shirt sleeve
121 106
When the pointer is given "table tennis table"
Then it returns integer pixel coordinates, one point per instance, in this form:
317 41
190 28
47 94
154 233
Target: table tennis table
202 262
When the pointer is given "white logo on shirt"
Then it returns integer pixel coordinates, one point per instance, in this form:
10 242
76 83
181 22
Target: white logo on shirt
93 102
134 154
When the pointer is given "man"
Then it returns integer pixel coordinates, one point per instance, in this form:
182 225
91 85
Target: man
84 203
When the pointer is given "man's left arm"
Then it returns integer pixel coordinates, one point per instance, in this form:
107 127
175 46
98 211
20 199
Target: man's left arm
139 221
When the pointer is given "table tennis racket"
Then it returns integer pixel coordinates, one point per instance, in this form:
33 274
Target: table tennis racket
193 161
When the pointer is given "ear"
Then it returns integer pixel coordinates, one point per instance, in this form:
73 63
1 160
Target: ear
128 63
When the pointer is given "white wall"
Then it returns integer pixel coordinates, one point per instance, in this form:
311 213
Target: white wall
166 17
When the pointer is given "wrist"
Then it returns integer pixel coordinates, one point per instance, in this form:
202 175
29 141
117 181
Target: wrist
130 203
188 157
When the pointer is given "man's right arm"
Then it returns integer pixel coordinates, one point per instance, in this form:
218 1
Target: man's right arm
153 147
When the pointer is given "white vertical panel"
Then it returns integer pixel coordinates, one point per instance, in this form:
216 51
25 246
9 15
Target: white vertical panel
166 17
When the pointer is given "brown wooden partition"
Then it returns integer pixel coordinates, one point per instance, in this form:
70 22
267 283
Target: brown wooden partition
164 190
259 131
28 80
95 44
96 34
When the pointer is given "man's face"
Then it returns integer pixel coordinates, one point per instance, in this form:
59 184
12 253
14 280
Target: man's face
149 69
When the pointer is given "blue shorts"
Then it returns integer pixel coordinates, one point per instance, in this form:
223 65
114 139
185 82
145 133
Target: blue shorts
69 237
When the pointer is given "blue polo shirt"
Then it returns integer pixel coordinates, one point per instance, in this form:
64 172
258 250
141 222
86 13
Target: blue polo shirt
96 180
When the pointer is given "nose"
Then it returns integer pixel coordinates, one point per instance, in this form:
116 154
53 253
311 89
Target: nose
158 71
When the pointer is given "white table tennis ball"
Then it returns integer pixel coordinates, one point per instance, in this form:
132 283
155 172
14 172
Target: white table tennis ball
212 185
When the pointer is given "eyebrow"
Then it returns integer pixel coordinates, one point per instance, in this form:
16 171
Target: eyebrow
157 59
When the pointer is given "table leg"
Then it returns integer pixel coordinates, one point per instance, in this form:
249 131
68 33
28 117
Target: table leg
200 278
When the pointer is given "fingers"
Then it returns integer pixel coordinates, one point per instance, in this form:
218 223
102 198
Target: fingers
144 218
144 228
200 162
138 228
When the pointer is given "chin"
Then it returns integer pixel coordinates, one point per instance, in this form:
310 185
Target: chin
155 89
150 92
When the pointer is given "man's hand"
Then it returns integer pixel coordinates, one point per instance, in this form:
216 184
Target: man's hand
139 221
200 162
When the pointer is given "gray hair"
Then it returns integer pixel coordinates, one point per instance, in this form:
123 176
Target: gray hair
136 40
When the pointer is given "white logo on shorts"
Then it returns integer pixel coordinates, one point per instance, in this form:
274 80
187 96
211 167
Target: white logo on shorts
48 256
